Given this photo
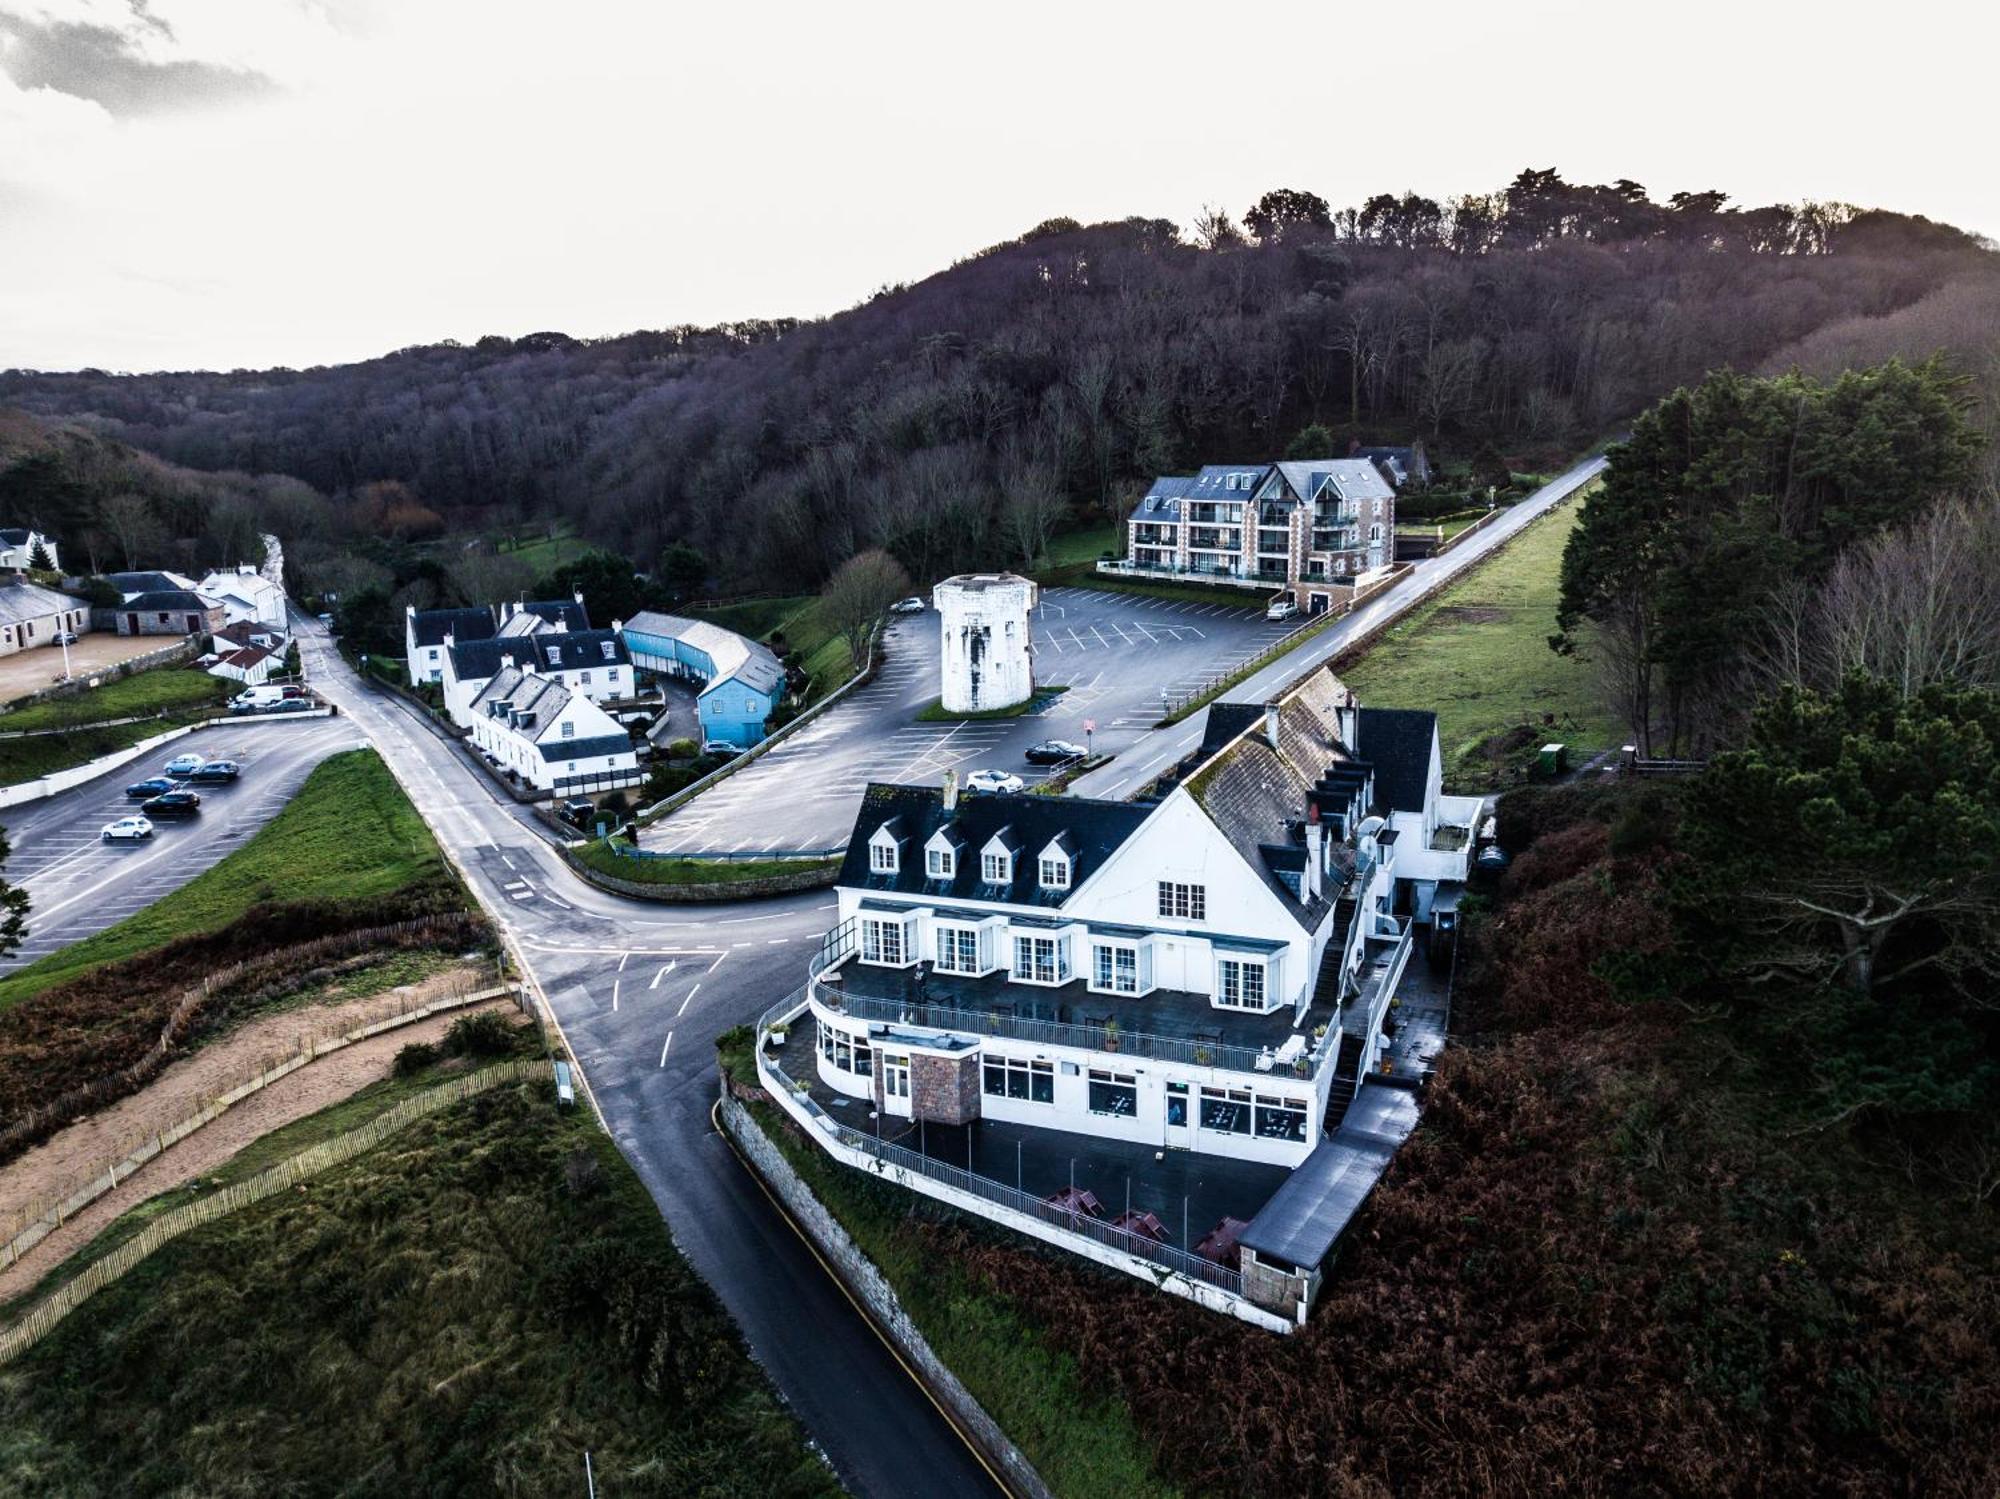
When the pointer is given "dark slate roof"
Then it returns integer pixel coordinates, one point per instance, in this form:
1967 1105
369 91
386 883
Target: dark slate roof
1163 501
1097 829
15 536
432 625
131 583
550 650
584 749
171 599
1225 722
1314 1205
1397 742
1212 483
567 612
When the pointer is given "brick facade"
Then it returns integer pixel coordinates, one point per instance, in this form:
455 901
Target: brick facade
944 1090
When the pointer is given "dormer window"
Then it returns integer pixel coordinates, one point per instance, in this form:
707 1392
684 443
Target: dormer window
884 851
941 857
610 649
1054 866
996 867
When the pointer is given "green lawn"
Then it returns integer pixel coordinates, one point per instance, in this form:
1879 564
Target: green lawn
690 871
542 552
791 624
349 834
1072 555
935 711
468 1308
182 696
1080 1444
756 618
1478 655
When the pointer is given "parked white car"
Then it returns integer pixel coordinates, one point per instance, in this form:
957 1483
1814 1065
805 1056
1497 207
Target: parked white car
912 605
993 780
181 765
1283 609
720 747
128 830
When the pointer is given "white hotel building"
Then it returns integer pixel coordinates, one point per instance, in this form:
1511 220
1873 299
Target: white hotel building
1208 974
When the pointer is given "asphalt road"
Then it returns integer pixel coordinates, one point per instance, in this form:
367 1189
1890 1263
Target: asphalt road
78 885
1144 760
1117 654
641 992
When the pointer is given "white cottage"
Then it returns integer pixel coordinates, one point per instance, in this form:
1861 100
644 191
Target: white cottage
555 740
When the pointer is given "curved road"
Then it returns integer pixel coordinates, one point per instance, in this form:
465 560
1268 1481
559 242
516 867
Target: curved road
641 991
78 885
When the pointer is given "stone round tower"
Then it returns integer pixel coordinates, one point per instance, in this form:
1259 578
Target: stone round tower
988 660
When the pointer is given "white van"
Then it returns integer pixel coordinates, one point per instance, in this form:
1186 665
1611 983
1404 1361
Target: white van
251 699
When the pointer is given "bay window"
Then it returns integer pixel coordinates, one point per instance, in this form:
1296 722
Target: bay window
1115 967
882 942
1239 984
1041 960
958 949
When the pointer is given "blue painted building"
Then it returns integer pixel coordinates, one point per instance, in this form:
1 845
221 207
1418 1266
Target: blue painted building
740 682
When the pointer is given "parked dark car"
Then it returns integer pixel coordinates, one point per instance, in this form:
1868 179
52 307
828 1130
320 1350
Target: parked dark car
215 771
291 705
578 812
172 804
153 786
1054 752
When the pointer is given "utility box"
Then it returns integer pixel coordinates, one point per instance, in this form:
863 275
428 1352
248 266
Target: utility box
1553 760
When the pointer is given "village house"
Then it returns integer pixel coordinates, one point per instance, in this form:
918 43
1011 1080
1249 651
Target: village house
161 603
1207 975
246 596
424 630
31 615
557 741
739 682
592 663
18 547
1308 529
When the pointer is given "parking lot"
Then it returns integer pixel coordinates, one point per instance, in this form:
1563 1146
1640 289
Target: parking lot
78 885
1117 655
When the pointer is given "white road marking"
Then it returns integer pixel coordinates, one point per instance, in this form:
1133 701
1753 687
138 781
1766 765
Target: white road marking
663 1048
688 1001
614 993
669 968
718 960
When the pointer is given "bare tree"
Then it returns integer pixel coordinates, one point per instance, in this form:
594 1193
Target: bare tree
130 519
855 596
1031 501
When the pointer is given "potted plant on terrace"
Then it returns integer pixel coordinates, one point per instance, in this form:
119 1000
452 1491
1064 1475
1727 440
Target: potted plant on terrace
1111 1034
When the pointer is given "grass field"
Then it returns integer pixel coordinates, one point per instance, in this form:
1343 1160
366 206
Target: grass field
935 711
349 834
1478 655
468 1308
543 553
168 696
689 871
1080 1443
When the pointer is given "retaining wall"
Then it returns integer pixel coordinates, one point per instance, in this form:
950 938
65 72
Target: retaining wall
720 890
878 1298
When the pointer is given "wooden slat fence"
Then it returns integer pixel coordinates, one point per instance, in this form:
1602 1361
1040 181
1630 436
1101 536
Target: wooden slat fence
29 1330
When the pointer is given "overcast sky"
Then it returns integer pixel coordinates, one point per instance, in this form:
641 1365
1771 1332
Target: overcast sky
222 183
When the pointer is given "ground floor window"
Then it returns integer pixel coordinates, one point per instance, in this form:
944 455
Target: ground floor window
1015 1077
1281 1118
958 949
1116 967
881 941
1226 1110
1114 1093
848 1053
1041 960
1177 1102
1239 984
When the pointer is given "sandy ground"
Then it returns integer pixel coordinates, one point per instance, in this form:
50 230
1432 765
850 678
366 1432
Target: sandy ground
41 665
179 1091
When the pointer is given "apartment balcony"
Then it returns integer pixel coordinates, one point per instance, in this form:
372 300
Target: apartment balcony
1336 541
1222 539
1278 540
1164 1026
1215 515
1337 515
1216 571
1154 536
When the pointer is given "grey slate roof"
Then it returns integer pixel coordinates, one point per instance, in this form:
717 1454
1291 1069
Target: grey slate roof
1097 828
28 601
736 657
550 650
129 584
15 536
588 748
567 612
177 600
1225 722
1351 478
1314 1205
1255 794
1397 741
1212 483
1162 502
430 626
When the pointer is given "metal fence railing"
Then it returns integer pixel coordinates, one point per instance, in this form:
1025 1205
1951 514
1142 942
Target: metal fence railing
1078 1225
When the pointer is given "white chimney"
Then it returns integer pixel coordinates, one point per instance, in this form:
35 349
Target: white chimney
507 661
950 790
1315 850
1271 724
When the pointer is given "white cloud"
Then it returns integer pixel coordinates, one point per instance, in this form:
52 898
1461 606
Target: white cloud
444 168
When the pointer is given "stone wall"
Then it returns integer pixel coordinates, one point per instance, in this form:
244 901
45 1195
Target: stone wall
882 1306
944 1090
721 890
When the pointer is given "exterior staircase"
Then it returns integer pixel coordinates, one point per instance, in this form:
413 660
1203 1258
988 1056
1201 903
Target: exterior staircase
1346 1079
